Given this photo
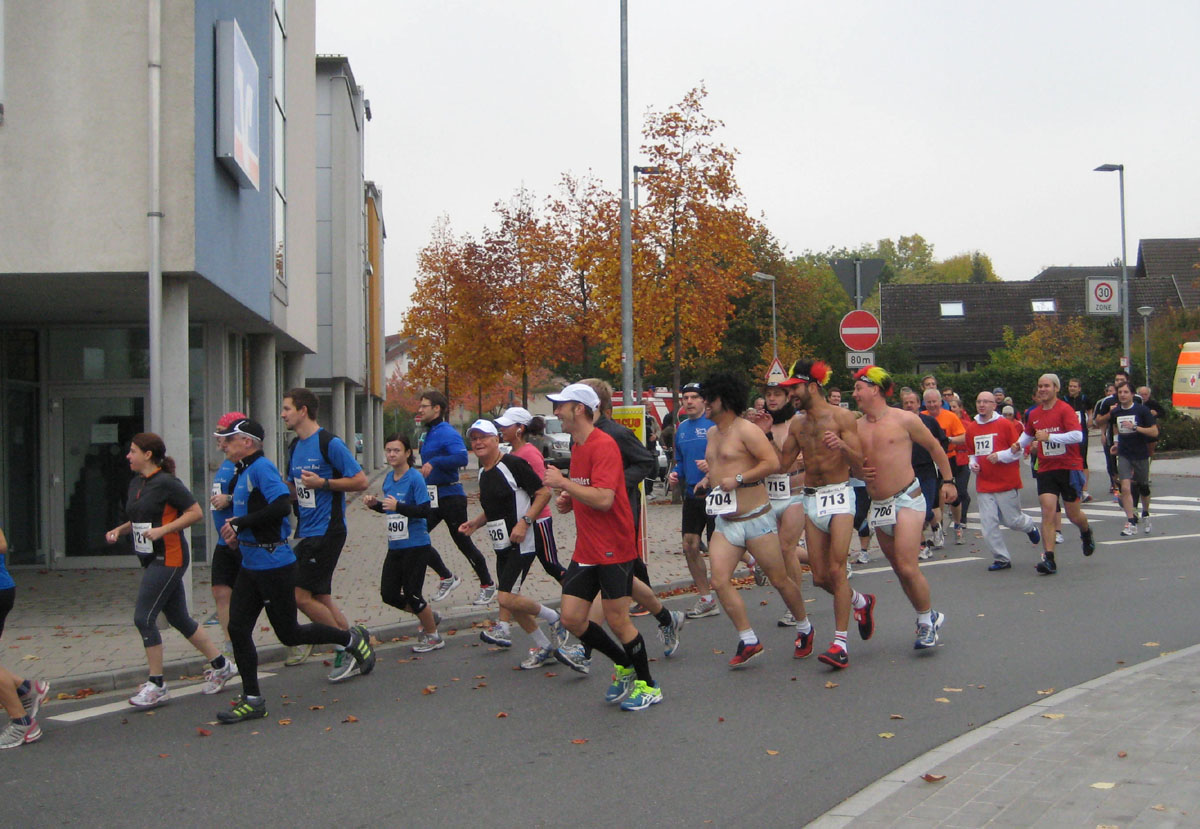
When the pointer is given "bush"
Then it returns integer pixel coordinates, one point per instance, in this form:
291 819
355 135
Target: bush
1178 433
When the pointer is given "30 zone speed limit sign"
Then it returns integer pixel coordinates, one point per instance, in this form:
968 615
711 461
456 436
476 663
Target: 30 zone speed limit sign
1103 295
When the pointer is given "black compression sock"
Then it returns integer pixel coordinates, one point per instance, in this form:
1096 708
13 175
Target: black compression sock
636 652
157 680
664 617
596 639
219 661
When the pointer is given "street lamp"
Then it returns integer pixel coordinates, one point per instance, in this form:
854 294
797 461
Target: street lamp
766 277
645 171
1146 311
1120 170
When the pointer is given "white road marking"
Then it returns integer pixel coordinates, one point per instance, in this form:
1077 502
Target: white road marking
1149 538
888 569
123 705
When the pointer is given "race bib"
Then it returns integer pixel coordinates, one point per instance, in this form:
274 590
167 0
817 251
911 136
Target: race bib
834 499
432 496
305 496
779 487
498 534
720 502
984 444
1126 424
142 544
883 513
1050 450
397 527
216 490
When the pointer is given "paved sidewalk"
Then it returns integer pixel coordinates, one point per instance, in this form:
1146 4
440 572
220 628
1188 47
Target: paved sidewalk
1122 750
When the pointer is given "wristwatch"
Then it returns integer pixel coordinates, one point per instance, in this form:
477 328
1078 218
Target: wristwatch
738 478
528 521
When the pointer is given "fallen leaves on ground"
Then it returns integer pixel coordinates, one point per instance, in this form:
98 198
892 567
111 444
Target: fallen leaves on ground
203 732
720 719
933 778
887 735
1149 644
772 752
717 651
350 718
1053 716
941 699
1122 754
1045 692
316 708
164 756
82 693
428 689
896 717
830 684
579 741
549 674
501 715
1103 785
953 690
285 721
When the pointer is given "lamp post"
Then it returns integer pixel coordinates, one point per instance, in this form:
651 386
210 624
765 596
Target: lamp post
626 230
766 277
645 171
1120 170
1146 311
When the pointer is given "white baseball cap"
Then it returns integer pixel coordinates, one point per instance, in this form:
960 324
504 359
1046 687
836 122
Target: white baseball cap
577 393
513 416
485 426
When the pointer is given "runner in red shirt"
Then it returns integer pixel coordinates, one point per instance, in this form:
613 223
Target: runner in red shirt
603 561
1055 426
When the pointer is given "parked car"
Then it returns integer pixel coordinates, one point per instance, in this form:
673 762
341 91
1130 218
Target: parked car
558 452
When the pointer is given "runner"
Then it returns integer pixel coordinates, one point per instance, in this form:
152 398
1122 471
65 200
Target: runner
225 562
960 460
739 460
952 427
512 497
1078 401
442 454
321 470
1102 418
635 461
925 469
828 437
897 505
516 424
20 697
997 479
691 440
1136 426
1055 427
405 502
604 549
259 528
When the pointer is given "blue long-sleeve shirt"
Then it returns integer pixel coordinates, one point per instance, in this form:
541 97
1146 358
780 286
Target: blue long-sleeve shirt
691 442
445 451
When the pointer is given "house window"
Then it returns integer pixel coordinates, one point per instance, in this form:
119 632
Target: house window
952 309
278 140
1044 306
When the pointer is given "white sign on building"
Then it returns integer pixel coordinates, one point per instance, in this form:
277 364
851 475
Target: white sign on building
1103 295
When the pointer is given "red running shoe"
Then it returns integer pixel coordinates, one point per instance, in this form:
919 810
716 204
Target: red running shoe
835 657
745 653
865 616
804 643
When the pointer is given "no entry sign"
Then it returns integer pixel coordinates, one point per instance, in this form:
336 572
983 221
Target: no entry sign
859 330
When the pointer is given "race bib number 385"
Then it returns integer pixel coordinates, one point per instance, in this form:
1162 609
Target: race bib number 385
305 496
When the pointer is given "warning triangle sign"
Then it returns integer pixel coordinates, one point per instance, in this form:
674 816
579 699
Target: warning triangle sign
776 374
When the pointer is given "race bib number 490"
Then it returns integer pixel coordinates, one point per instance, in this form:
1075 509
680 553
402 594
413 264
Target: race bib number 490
720 502
883 513
397 527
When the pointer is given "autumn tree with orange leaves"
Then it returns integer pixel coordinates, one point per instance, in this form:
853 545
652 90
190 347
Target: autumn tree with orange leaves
429 320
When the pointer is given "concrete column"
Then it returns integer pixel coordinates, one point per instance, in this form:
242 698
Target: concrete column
176 431
337 409
264 407
293 370
371 453
351 399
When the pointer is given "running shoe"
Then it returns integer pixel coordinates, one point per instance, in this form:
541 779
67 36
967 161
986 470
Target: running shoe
865 616
636 609
360 648
15 735
760 578
1058 537
574 657
1089 542
446 587
849 569
427 642
1035 536
244 710
486 595
1086 497
537 658
999 564
1146 524
622 684
1129 529
150 696
745 653
496 635
297 655
703 608
939 536
559 634
958 534
927 635
926 552
644 695
804 643
39 692
863 557
669 634
215 678
835 657
788 621
1046 566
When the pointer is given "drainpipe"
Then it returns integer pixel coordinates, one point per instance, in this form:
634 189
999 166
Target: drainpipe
154 211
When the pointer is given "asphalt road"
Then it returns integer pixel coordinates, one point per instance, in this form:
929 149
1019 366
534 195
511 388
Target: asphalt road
772 745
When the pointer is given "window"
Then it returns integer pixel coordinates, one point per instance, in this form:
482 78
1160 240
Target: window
1044 306
952 309
278 142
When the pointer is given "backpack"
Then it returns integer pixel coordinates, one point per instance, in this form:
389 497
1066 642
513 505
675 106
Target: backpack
336 509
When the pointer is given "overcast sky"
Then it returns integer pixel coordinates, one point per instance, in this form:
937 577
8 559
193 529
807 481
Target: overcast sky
975 124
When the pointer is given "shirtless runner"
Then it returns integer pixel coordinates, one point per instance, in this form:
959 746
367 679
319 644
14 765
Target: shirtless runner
897 505
828 437
739 459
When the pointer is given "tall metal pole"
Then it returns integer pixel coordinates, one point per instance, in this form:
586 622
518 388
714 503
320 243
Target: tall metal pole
154 215
626 234
774 331
1125 298
1146 333
858 284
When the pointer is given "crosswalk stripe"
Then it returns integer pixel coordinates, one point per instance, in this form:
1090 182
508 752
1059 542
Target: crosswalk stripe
123 705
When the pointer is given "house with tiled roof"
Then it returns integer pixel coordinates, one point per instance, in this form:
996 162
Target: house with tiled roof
958 324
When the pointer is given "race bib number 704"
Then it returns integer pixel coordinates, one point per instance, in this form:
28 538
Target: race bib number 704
720 502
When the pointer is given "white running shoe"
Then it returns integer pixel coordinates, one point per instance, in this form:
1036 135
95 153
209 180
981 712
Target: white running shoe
150 696
215 678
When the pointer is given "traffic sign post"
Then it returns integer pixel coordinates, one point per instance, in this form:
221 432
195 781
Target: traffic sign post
860 359
860 330
1103 296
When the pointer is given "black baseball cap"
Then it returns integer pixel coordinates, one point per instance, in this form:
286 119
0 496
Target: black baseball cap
246 427
693 386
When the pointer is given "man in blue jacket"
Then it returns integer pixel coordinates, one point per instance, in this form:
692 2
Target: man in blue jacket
442 454
691 442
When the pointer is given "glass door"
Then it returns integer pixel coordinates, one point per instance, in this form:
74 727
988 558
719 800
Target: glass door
90 435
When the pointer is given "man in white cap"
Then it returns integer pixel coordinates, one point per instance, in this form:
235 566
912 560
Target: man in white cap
605 548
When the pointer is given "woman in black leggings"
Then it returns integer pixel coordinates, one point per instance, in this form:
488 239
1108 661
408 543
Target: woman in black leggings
159 508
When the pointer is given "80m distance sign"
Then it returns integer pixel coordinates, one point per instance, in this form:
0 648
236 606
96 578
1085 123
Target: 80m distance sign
859 359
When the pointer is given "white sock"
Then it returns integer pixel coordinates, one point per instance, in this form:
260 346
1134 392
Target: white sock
748 636
925 618
858 600
708 597
548 614
502 627
804 626
839 638
539 638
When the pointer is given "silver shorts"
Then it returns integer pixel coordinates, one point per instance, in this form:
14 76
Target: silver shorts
738 533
